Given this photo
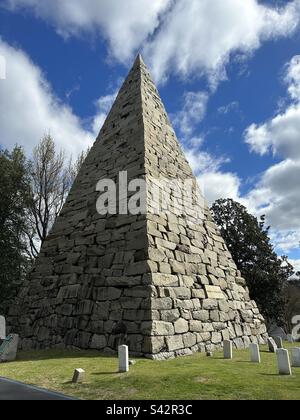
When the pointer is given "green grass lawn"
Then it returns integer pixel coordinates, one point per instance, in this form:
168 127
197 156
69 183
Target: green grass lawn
190 378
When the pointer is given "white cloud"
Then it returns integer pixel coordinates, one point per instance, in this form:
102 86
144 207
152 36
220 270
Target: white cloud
200 36
216 185
29 108
192 113
277 195
231 107
213 183
124 24
295 264
180 36
281 134
292 78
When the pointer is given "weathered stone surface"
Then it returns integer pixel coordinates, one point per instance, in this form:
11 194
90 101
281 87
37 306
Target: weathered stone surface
9 348
181 326
158 328
296 357
78 376
228 349
2 327
278 342
99 342
214 292
123 359
272 345
283 359
174 343
255 353
160 280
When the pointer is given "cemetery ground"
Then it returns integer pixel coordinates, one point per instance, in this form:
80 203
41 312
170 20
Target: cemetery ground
195 377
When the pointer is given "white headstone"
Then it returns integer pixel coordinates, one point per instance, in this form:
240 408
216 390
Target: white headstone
278 342
272 345
228 353
255 353
283 360
296 357
123 359
78 376
2 327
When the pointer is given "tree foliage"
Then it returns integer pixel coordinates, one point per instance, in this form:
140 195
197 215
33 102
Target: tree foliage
14 196
248 240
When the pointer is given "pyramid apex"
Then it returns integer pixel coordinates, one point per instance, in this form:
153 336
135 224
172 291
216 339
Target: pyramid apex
139 60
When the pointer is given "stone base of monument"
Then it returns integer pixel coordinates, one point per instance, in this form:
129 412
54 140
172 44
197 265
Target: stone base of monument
9 348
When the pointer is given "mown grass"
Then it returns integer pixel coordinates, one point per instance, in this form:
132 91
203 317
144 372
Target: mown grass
191 378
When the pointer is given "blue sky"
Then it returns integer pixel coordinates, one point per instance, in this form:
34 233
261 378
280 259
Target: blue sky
228 72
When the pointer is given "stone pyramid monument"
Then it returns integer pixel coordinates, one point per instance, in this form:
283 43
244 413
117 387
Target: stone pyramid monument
162 282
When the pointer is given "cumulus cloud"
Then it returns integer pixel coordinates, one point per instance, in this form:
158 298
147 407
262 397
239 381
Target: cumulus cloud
124 24
181 36
296 265
277 195
200 36
192 113
280 135
216 185
292 78
213 183
29 108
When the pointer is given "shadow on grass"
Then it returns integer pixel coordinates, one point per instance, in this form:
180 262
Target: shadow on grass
61 354
105 373
270 374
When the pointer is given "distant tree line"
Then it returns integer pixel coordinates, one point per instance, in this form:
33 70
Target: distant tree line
32 194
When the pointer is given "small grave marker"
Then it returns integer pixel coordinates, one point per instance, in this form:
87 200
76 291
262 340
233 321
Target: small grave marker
78 376
284 364
296 357
278 342
123 359
228 352
2 328
255 353
272 345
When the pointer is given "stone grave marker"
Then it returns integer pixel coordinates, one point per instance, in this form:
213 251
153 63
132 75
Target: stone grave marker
78 376
272 345
255 353
2 328
283 359
290 338
296 357
123 359
228 352
278 341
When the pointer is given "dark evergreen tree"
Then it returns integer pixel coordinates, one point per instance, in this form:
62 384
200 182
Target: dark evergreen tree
14 194
249 243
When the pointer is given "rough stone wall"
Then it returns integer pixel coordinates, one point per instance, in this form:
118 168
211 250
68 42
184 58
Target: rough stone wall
165 283
89 275
199 299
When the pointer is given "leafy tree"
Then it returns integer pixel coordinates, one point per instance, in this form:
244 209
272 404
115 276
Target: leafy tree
14 195
249 243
